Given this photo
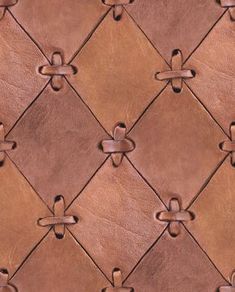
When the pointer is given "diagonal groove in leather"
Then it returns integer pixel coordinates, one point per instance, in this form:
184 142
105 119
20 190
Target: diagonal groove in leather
87 106
21 173
147 182
23 113
144 255
21 26
29 254
209 113
92 259
210 30
188 231
137 25
89 36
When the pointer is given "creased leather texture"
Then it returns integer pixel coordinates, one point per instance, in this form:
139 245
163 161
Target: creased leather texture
117 146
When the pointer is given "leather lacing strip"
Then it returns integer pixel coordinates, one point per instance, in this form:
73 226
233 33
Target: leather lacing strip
118 145
57 70
4 4
117 283
4 281
231 5
229 145
118 7
175 215
230 288
177 73
4 145
59 220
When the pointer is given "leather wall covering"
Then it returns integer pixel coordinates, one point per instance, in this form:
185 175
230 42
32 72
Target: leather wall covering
117 145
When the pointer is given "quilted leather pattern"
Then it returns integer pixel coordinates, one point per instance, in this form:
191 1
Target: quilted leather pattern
117 146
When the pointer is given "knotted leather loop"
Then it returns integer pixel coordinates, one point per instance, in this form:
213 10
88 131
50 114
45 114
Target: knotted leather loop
59 220
4 4
57 70
229 288
4 145
117 283
177 73
229 145
117 7
118 145
174 216
231 5
4 281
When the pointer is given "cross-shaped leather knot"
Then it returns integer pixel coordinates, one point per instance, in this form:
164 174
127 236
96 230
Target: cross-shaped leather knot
229 288
4 145
59 220
117 7
4 282
57 70
4 4
177 73
175 215
231 5
118 145
117 283
229 145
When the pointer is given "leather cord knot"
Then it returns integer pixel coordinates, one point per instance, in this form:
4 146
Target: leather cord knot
229 145
4 4
118 145
230 288
230 4
118 7
175 215
57 70
117 283
59 220
177 73
4 281
4 145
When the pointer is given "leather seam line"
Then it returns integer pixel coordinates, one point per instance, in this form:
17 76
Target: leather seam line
145 254
89 36
146 181
29 254
206 109
20 173
204 252
27 108
89 180
205 36
87 253
207 181
135 22
86 105
147 108
28 34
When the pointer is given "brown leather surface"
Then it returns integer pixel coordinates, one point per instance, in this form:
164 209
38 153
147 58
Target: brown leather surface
117 146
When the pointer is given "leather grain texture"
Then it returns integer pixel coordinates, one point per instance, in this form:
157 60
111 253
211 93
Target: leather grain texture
117 146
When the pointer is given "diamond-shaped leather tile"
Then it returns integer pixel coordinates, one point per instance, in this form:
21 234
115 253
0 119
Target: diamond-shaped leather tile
116 72
214 224
175 265
57 142
20 209
214 62
59 266
171 152
51 27
119 210
177 24
19 81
